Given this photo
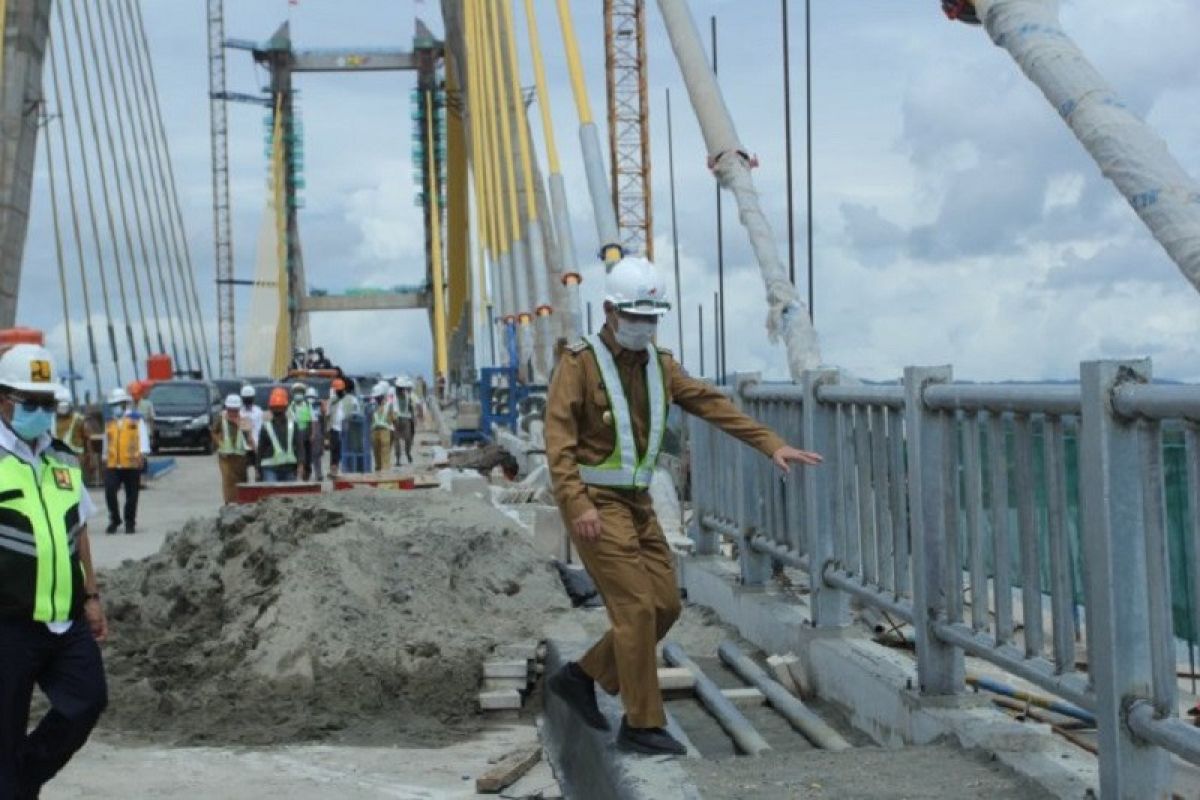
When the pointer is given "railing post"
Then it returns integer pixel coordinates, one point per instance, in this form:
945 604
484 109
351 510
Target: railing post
939 665
829 605
1117 606
755 566
700 465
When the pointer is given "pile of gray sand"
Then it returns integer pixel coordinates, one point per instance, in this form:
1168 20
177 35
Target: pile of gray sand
357 616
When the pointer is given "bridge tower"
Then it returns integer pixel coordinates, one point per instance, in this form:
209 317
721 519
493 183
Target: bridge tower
629 123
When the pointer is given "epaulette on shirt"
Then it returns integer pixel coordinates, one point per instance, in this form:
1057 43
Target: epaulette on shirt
577 347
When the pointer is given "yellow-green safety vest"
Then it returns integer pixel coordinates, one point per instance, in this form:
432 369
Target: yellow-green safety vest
624 468
40 572
380 417
234 445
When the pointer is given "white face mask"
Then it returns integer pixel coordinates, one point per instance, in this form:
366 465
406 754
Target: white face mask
635 334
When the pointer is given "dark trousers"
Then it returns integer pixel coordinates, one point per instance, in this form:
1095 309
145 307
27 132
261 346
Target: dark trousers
115 479
69 670
335 451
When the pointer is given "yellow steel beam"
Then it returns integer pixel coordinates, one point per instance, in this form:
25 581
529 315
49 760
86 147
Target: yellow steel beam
283 334
543 94
574 64
433 196
479 166
518 109
458 232
489 126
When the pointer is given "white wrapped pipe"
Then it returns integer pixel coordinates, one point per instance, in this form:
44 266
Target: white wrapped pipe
566 248
787 316
602 205
1129 153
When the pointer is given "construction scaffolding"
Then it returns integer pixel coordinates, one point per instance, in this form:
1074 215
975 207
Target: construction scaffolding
629 123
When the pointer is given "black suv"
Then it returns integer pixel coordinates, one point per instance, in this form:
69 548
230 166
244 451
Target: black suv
182 414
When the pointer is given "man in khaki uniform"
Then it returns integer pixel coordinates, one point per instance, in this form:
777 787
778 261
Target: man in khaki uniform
233 438
604 423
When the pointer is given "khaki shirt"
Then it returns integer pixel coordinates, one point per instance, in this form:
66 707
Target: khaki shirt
576 432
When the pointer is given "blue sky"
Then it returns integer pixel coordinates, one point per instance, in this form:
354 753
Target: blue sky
956 218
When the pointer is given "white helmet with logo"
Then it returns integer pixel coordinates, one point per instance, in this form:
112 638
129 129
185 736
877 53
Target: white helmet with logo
379 390
404 382
118 396
28 368
233 402
634 287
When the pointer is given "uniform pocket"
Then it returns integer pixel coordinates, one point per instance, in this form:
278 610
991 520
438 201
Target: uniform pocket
600 398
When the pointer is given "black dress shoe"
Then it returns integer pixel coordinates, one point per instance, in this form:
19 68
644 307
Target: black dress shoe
112 527
578 691
130 528
648 741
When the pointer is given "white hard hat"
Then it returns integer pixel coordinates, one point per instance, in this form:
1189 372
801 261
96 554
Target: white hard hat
247 391
233 402
62 394
404 382
118 396
28 368
634 286
379 390
310 393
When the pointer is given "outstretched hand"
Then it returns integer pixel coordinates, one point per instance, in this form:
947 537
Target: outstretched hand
786 455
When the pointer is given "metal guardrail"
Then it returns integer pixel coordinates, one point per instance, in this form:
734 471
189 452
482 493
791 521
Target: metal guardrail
951 507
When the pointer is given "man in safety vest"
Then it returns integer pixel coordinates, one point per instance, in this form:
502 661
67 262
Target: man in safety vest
402 413
254 413
69 426
50 611
277 443
381 426
126 444
605 418
300 412
233 440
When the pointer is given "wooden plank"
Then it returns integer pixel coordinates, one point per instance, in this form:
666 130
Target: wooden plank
505 669
500 700
744 697
499 684
676 679
780 668
508 770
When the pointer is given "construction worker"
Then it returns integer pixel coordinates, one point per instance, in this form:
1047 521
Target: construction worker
341 406
126 445
381 426
316 436
50 611
402 414
299 359
605 419
233 439
254 413
300 412
69 425
321 362
277 446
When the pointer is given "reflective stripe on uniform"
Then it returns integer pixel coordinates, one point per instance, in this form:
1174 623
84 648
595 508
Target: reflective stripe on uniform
231 445
42 523
380 418
124 443
623 468
278 458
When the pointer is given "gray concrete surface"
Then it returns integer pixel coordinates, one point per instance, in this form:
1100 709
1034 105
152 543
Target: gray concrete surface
587 762
192 489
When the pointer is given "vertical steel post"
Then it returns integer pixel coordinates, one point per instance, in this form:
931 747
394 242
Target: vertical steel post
755 566
939 665
829 606
1117 603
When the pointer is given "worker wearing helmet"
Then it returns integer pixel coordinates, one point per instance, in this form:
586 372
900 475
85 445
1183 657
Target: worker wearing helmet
126 445
234 441
69 425
299 359
342 406
141 404
316 434
402 415
382 421
254 413
300 412
277 445
605 419
50 611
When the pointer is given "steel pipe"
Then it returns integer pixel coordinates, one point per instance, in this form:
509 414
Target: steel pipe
1157 402
784 392
779 552
815 729
1035 670
891 396
840 579
999 398
748 740
1171 734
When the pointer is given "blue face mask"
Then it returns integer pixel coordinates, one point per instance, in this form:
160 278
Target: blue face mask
29 425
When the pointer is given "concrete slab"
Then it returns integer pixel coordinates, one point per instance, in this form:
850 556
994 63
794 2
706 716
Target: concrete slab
588 763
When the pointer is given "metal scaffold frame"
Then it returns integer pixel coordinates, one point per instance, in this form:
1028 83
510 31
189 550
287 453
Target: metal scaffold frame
629 123
222 224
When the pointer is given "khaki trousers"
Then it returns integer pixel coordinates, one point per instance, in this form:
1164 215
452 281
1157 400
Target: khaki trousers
233 472
634 571
381 447
402 438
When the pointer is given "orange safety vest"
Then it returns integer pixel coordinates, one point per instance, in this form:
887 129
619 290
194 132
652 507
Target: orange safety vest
124 445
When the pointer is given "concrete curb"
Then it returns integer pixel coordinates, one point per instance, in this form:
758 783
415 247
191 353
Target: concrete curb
587 762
